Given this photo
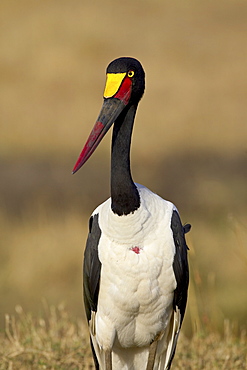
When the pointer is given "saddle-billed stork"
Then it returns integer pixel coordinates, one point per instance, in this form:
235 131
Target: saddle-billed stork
135 273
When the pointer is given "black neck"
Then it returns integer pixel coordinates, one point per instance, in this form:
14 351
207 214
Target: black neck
124 194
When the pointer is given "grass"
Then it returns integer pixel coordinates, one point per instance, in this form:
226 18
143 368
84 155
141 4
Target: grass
56 341
52 342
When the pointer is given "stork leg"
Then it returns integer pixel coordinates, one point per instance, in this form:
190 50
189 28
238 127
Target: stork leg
151 356
108 360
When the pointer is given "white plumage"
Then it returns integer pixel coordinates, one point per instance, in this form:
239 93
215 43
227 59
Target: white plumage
136 290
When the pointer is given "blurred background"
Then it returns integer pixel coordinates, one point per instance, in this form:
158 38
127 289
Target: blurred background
189 143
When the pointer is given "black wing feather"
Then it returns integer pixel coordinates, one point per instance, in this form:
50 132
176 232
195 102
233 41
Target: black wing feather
91 267
180 263
181 269
91 273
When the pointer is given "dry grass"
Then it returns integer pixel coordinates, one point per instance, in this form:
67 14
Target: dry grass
58 342
52 342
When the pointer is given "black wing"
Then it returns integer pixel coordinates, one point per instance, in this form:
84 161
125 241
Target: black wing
91 267
91 273
181 271
180 263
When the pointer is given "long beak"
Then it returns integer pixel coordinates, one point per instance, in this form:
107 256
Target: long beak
110 110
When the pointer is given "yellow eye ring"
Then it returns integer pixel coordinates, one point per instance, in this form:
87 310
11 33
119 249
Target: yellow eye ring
131 73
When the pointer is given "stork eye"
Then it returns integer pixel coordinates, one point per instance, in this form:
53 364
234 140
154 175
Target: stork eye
131 73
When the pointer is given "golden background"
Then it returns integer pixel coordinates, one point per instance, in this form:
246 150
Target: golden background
189 143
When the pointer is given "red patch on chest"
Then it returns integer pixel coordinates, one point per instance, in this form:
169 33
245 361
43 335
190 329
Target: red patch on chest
136 249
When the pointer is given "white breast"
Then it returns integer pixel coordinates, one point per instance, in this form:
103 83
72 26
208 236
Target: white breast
136 290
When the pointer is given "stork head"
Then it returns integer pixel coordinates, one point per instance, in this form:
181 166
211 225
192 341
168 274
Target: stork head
125 84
